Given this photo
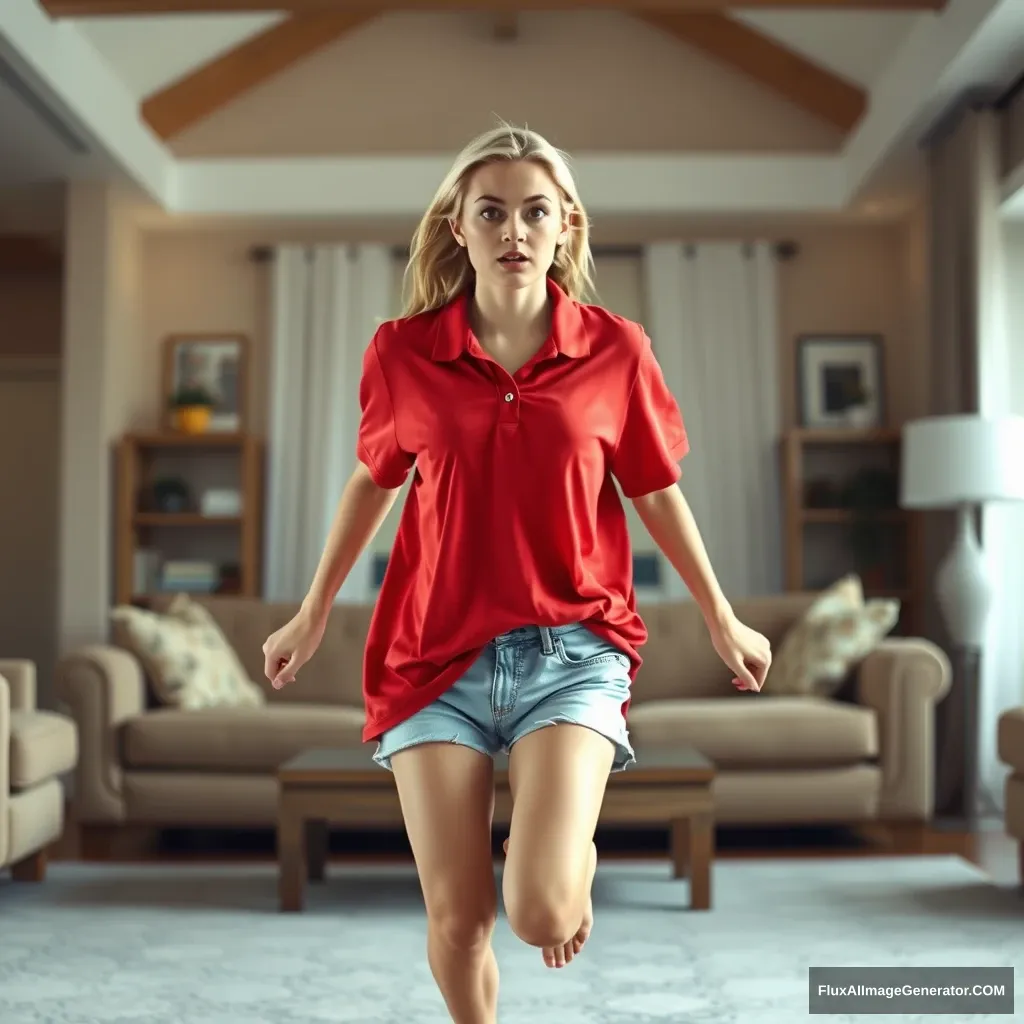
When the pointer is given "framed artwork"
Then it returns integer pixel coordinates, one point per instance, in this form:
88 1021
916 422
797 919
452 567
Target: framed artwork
840 380
215 365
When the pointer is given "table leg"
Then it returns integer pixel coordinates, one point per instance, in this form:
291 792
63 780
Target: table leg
317 844
702 848
679 841
291 857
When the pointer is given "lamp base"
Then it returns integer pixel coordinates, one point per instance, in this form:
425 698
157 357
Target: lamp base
962 585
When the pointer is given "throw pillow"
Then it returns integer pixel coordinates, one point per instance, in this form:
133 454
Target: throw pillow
188 659
835 634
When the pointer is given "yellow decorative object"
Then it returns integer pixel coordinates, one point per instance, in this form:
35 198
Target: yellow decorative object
192 419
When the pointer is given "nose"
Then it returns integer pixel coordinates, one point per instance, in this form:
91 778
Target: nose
515 228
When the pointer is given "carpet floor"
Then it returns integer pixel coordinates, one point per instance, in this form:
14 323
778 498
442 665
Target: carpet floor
189 944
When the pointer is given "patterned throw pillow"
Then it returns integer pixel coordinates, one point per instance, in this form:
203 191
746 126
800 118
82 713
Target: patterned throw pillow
837 632
188 659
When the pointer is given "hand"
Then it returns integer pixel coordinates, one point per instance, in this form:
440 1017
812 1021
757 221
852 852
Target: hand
744 650
287 650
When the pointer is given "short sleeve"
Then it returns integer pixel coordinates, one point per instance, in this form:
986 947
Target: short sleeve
653 438
377 445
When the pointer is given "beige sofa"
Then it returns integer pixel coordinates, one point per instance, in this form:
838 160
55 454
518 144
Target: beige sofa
1010 748
36 747
781 759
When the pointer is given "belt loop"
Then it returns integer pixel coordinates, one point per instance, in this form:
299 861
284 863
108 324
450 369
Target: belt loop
546 643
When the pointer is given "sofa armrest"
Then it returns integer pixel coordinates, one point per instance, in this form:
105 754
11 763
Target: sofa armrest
902 680
5 768
103 686
20 674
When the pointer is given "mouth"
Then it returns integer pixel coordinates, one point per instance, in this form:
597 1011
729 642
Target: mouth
513 256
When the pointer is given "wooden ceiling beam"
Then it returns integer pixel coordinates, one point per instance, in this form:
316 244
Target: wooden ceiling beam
258 58
789 74
100 8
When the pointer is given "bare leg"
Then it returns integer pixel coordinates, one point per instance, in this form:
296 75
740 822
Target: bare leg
446 791
558 776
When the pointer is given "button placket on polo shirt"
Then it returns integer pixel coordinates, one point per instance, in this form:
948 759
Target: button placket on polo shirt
508 398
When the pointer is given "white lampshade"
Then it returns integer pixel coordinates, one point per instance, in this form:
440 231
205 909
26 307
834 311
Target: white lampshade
954 460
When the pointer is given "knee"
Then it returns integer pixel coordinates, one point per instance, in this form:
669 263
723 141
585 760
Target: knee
542 916
461 925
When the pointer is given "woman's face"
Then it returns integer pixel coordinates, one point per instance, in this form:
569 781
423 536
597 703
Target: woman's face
511 222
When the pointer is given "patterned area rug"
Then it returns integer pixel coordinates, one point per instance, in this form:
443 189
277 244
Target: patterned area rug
166 944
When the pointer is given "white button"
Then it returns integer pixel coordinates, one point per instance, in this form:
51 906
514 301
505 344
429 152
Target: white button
509 397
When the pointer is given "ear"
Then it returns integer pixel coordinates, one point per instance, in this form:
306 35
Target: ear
563 236
453 224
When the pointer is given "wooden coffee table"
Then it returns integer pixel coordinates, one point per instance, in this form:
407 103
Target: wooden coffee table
667 786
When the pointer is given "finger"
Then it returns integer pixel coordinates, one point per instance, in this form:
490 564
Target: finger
270 665
286 674
745 676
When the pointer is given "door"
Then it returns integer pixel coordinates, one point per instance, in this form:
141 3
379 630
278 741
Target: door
29 514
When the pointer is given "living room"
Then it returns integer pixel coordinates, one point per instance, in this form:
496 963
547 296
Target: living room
814 208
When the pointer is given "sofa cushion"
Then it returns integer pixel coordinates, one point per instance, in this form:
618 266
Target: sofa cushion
236 739
797 732
1010 738
43 744
188 660
834 635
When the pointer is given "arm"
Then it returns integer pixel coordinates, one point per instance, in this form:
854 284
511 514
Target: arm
362 508
668 519
363 505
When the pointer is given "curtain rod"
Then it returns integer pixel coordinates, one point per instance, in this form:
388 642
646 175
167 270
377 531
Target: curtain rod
784 250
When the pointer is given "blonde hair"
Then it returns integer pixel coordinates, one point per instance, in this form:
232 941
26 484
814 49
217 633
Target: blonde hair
439 269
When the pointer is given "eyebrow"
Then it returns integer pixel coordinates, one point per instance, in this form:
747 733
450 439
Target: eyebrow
501 202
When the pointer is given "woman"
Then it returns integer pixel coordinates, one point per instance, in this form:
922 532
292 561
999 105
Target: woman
507 617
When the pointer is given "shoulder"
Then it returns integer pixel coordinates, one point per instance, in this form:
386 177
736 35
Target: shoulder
614 334
398 341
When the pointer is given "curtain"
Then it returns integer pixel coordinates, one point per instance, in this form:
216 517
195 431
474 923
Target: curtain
970 372
326 303
711 313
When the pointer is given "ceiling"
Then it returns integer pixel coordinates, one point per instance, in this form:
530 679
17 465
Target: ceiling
74 91
149 53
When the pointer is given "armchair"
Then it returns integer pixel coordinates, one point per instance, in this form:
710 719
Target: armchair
35 748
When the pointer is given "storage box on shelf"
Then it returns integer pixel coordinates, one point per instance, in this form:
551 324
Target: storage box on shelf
178 526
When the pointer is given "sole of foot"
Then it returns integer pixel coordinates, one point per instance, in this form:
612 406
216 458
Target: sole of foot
559 956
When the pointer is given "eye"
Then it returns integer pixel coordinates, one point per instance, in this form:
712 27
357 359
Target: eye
488 210
540 211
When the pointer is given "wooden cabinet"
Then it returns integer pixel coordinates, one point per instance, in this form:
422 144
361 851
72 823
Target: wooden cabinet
841 514
167 518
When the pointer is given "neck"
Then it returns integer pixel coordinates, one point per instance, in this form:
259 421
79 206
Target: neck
510 318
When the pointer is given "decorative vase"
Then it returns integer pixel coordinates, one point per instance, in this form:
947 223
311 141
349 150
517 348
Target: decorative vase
192 419
858 416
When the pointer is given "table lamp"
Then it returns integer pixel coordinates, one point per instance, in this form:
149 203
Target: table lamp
961 462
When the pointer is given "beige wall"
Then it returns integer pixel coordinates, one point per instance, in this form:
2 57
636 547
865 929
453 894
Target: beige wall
845 278
427 82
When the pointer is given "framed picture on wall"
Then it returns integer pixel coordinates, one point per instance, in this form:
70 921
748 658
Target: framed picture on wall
211 367
840 380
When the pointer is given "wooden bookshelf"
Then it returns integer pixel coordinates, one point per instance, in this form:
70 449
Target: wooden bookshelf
196 461
841 514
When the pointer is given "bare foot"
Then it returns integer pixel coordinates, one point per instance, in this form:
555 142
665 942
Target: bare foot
559 956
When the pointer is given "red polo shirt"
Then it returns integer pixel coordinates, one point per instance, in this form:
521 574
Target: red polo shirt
513 517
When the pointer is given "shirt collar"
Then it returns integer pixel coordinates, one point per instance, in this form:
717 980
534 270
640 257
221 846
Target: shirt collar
453 337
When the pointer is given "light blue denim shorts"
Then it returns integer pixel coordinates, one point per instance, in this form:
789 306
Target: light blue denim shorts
526 679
